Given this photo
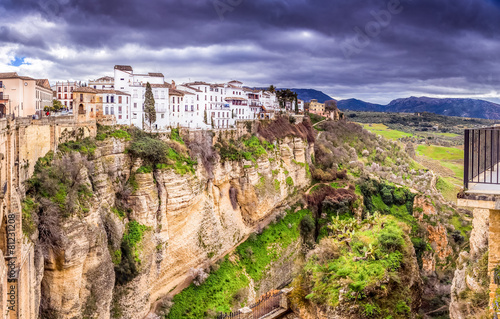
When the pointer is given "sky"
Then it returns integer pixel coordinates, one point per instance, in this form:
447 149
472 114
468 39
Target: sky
374 50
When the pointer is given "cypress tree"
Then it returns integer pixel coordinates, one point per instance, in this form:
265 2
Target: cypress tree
149 107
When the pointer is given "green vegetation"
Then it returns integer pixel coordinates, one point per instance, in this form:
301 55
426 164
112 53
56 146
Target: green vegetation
85 146
440 152
263 249
104 132
360 263
447 188
220 291
29 208
249 149
119 212
144 170
162 155
386 132
127 257
315 118
289 181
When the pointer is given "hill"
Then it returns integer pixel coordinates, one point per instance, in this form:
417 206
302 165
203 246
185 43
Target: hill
308 94
449 107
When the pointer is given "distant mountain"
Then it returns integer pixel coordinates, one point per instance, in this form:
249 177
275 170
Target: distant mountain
358 105
309 94
449 107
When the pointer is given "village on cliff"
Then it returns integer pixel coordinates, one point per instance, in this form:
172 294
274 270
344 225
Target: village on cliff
120 100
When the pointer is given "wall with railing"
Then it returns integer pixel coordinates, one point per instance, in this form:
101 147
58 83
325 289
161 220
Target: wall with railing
482 156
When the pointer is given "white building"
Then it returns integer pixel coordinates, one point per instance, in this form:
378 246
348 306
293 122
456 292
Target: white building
64 92
195 105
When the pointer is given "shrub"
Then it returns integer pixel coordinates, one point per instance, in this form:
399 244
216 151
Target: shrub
198 275
289 181
151 150
307 225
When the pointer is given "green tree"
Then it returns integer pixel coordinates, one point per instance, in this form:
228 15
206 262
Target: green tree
295 96
149 107
56 105
272 88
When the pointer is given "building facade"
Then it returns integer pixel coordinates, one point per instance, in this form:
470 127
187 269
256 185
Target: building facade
23 96
64 92
316 107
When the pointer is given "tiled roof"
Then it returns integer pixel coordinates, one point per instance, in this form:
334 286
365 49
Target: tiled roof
127 68
8 75
190 87
104 78
160 75
43 83
14 75
197 83
85 89
235 81
176 92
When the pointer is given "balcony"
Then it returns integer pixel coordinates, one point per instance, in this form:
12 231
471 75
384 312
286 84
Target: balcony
161 110
482 161
4 98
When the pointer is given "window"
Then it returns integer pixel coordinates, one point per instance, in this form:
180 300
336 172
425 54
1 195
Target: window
65 96
186 108
122 79
95 86
106 112
65 89
107 98
71 89
119 117
112 111
112 99
119 109
119 100
58 89
59 96
162 115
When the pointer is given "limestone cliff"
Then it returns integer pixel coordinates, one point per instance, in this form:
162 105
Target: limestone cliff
469 290
189 220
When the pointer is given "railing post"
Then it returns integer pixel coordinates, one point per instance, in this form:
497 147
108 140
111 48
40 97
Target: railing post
466 160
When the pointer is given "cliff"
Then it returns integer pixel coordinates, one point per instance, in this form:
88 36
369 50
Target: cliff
171 222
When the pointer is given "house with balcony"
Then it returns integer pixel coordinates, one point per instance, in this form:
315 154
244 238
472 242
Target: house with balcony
23 96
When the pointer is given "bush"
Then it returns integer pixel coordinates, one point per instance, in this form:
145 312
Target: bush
150 150
307 225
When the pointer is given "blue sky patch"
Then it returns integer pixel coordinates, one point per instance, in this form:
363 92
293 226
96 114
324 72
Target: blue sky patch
18 61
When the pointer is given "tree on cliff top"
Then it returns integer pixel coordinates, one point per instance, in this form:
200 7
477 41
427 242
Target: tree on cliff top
149 107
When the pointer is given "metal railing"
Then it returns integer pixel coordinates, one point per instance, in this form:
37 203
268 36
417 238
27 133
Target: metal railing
482 156
4 97
263 307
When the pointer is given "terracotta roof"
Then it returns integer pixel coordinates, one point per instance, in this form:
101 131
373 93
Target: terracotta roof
43 83
190 87
104 78
156 74
197 83
8 75
235 81
85 89
127 68
164 85
14 75
111 92
176 92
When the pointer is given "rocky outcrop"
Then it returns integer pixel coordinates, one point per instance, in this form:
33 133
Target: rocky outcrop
471 276
190 219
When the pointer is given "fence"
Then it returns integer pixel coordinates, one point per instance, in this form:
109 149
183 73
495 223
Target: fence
481 156
263 307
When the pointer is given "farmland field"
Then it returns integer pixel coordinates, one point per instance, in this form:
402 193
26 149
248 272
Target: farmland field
386 132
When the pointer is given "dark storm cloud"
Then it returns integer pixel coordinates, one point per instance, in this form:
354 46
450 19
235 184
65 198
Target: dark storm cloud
346 47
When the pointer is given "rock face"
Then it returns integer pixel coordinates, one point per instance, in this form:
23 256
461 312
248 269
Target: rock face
471 276
190 221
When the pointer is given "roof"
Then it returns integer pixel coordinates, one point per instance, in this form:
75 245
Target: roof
190 87
85 89
14 75
127 68
235 81
8 75
43 83
197 83
176 92
104 78
112 92
159 75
